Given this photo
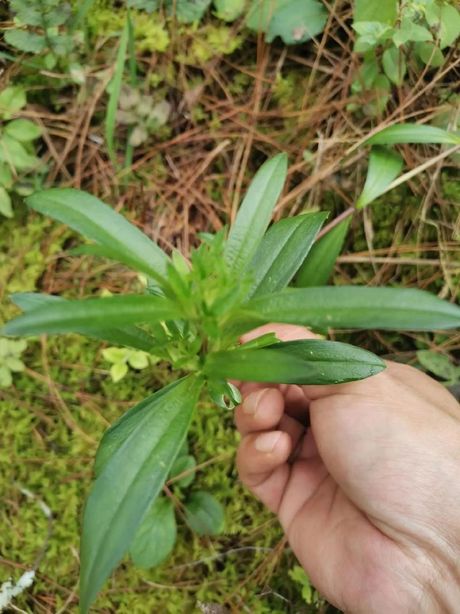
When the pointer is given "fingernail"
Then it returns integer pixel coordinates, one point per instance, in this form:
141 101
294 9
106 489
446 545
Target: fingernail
267 441
251 403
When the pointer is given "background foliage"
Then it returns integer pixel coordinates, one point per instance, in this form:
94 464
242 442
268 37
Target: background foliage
233 99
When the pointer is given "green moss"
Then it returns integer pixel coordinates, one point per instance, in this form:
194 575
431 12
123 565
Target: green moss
210 40
150 31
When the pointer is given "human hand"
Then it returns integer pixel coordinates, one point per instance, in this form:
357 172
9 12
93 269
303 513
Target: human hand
365 480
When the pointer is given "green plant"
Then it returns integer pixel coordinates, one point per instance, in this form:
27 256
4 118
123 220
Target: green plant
42 27
388 38
10 360
192 316
17 154
439 365
141 113
309 594
157 533
48 29
123 358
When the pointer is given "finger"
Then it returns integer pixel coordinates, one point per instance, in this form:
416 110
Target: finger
261 410
262 466
283 332
296 404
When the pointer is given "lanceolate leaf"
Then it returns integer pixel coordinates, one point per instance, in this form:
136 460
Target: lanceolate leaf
282 250
100 223
353 307
131 479
255 212
319 264
156 536
91 315
384 166
131 336
413 133
296 362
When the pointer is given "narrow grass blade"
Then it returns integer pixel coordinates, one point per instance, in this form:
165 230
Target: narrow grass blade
115 89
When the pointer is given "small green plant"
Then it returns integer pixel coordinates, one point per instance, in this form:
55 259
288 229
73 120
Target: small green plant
10 360
123 358
142 113
156 536
388 38
192 316
309 594
440 365
17 154
49 30
40 27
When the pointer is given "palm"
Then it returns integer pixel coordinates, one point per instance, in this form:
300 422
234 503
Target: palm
345 555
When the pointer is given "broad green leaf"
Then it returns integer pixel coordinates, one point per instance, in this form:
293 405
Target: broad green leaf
100 223
445 20
394 65
115 89
188 11
91 314
23 130
384 166
229 10
385 11
319 265
353 307
255 212
12 100
371 33
25 40
282 251
147 440
413 133
430 54
6 176
156 536
13 153
440 365
6 378
204 514
138 360
295 21
118 371
409 31
131 336
295 362
5 203
183 464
